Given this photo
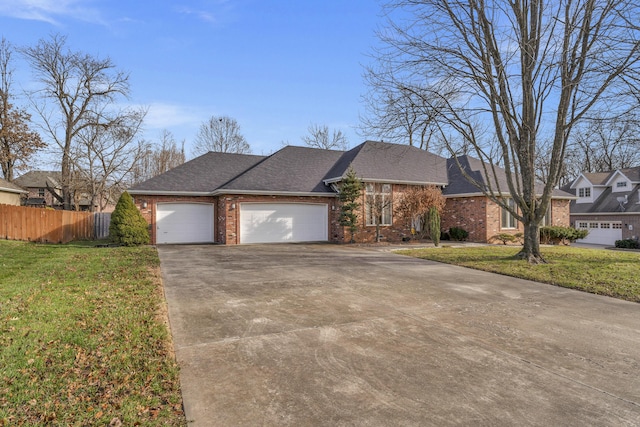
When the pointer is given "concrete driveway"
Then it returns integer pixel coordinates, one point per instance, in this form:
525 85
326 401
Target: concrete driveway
304 335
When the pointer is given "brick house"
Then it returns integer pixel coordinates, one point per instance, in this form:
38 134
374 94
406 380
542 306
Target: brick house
291 196
42 188
467 207
608 205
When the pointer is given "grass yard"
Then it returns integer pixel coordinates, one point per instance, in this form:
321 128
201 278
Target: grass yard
603 272
83 339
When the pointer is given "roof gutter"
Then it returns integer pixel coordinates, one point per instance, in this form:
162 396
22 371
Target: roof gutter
13 190
271 193
503 194
388 181
168 193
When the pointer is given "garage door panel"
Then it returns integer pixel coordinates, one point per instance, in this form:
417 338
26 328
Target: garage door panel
184 223
606 233
282 222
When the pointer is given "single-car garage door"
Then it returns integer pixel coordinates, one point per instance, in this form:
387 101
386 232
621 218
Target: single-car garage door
283 222
601 232
184 223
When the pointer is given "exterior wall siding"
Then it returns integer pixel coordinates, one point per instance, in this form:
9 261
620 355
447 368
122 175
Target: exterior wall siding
9 198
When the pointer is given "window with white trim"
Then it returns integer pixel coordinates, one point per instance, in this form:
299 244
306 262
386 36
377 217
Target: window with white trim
378 206
616 225
40 192
605 225
508 220
583 225
593 225
584 192
546 219
621 184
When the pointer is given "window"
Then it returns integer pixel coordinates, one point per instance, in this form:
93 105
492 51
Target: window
546 220
582 225
584 192
605 225
593 225
40 192
621 184
616 225
508 220
378 204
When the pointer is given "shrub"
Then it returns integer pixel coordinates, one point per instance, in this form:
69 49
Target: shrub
457 233
434 225
128 227
508 238
628 244
557 234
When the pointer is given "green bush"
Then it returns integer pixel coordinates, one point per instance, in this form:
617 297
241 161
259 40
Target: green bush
128 227
434 225
556 234
508 238
628 244
457 233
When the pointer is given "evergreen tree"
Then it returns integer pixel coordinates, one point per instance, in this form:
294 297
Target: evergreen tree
128 227
350 191
434 225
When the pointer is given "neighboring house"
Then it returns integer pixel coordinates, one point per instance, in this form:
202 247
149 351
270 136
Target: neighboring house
10 193
45 190
42 186
291 196
608 205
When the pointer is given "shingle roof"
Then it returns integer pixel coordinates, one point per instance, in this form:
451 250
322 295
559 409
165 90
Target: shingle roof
608 202
385 162
291 169
39 179
10 187
203 174
475 169
597 178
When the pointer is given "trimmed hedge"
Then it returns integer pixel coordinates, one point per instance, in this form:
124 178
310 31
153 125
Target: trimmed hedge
551 234
627 244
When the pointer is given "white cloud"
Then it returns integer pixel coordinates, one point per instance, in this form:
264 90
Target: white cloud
163 116
51 11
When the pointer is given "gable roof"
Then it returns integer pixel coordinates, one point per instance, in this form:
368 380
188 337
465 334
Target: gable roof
40 179
199 176
459 185
393 163
610 202
290 170
10 187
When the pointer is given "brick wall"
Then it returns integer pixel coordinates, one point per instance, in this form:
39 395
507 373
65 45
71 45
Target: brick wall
471 214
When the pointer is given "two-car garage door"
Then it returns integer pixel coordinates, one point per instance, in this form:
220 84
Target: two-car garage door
283 222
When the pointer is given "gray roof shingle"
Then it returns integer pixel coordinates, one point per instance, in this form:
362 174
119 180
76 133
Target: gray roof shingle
39 179
385 162
10 187
475 169
291 169
203 174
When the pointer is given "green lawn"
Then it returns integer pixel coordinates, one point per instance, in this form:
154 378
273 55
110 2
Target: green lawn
83 338
604 272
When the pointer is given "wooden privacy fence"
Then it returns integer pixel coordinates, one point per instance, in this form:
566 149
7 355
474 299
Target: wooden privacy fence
45 225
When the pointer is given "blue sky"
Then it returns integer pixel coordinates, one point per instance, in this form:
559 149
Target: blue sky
275 66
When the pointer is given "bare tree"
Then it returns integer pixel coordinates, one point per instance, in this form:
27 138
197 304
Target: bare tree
158 158
104 157
321 137
77 90
220 134
17 142
529 69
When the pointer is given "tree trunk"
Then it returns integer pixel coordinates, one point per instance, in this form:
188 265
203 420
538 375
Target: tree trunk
531 247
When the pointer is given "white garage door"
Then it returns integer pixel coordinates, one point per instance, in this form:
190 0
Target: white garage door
601 232
184 223
283 222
